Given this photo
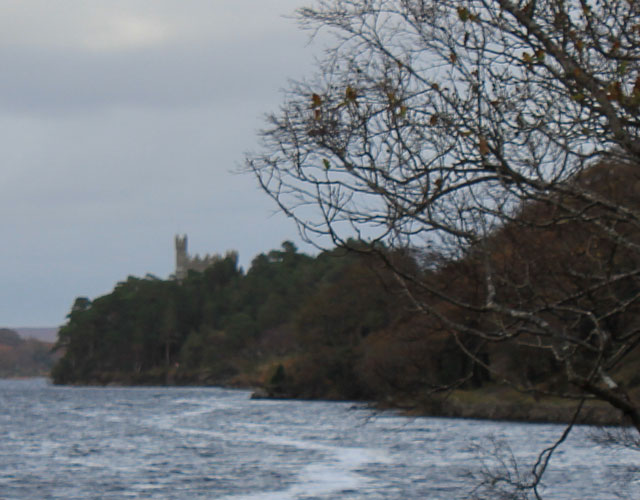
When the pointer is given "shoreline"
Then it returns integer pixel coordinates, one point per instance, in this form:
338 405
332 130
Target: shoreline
549 411
479 404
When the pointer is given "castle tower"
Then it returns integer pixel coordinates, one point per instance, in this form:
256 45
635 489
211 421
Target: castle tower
182 258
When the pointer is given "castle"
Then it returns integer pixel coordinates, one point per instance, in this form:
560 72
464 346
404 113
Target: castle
186 263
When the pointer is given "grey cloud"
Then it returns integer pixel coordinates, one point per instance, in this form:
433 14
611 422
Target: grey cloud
66 81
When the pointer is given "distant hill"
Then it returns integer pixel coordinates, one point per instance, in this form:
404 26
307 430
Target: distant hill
9 337
20 357
48 334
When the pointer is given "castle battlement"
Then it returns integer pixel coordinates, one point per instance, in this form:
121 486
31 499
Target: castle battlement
186 262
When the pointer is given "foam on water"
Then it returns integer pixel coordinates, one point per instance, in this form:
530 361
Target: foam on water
335 470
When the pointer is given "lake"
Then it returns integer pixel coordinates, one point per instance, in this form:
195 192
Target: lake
209 443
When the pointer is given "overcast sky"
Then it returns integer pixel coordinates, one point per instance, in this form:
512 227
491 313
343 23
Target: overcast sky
121 122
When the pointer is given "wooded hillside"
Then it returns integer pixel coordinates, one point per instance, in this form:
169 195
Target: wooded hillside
340 325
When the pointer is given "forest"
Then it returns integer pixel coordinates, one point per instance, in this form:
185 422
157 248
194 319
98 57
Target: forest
294 323
340 325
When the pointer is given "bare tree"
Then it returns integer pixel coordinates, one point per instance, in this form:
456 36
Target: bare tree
499 136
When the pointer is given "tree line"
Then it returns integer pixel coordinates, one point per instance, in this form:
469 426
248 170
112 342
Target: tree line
299 316
338 325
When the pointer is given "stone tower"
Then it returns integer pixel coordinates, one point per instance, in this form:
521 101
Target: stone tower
186 262
182 257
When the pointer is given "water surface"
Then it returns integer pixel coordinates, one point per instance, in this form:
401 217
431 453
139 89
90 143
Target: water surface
207 443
